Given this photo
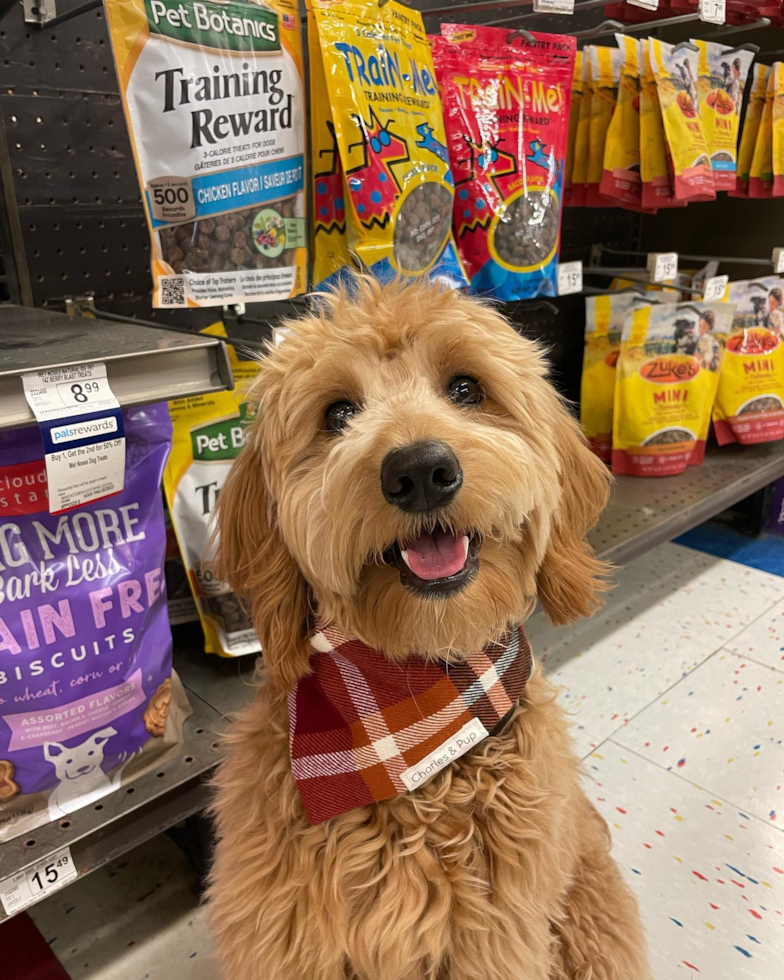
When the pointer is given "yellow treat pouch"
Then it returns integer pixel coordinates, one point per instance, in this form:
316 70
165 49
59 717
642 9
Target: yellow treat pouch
582 137
777 123
751 124
656 173
621 173
604 318
666 382
606 66
723 71
750 401
574 118
209 431
761 171
330 252
390 135
675 68
215 105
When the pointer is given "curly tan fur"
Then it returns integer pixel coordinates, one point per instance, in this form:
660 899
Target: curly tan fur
498 868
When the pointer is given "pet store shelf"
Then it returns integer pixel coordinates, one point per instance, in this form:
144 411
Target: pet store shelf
143 364
640 515
644 513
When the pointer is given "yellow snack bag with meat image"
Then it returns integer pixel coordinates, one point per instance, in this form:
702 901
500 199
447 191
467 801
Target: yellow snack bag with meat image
574 118
751 124
666 382
582 136
621 173
676 70
604 319
761 170
606 64
777 126
750 398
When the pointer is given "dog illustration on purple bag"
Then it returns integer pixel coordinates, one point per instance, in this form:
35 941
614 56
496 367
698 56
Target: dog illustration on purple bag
81 779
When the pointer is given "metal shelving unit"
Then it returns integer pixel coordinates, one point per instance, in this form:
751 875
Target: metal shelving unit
641 515
143 364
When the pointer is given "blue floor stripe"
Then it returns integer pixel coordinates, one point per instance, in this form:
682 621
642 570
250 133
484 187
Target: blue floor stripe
765 552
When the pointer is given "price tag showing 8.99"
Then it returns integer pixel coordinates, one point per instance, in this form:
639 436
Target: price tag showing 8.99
41 879
64 392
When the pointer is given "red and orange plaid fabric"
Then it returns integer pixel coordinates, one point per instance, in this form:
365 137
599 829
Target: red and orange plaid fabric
358 720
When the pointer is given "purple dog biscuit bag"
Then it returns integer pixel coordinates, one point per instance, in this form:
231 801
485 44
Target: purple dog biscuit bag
87 696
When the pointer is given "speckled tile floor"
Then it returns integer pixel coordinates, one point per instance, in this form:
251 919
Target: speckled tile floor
677 695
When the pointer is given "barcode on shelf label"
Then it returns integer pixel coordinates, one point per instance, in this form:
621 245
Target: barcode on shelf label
715 287
36 882
554 6
713 11
662 266
645 4
570 278
778 259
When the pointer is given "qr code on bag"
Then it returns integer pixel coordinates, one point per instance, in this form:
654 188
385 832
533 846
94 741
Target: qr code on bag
173 291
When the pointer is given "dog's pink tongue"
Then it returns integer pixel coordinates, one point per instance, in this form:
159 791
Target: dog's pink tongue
436 555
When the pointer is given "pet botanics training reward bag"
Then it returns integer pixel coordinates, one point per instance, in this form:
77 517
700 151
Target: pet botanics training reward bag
215 106
87 696
389 129
506 111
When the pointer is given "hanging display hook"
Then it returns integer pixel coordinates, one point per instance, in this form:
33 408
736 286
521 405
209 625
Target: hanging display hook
520 32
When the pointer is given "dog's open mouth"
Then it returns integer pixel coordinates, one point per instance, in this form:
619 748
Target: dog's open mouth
436 563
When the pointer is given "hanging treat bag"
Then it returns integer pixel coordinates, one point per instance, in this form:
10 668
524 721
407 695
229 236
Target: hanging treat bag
329 249
750 400
723 71
574 118
88 700
751 124
761 171
389 129
604 318
675 69
506 109
209 431
621 173
666 382
777 127
658 190
582 136
606 65
214 102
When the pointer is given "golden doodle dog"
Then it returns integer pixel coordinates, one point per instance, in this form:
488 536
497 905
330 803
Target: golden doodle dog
412 479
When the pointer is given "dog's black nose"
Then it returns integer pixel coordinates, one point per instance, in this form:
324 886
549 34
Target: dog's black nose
422 476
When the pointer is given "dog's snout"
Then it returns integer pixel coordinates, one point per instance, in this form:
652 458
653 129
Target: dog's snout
422 476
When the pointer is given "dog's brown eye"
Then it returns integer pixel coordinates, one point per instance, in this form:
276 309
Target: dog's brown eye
339 415
465 391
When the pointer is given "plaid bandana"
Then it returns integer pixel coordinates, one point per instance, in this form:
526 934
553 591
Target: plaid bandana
364 729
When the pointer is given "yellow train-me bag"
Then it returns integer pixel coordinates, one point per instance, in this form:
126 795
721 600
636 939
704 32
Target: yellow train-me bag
606 64
675 68
761 170
666 381
389 128
621 173
723 71
751 124
656 174
750 400
209 431
604 319
582 137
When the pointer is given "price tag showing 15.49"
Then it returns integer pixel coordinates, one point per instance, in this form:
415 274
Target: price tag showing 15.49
27 887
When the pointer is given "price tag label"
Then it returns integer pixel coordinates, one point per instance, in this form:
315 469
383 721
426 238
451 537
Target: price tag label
570 278
554 6
82 430
715 287
662 266
778 259
713 11
36 882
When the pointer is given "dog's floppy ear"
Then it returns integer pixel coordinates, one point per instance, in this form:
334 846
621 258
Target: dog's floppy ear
253 558
571 579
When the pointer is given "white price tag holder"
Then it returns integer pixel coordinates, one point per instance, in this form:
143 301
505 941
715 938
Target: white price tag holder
645 4
715 288
570 278
662 266
778 260
26 887
713 11
554 6
82 430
